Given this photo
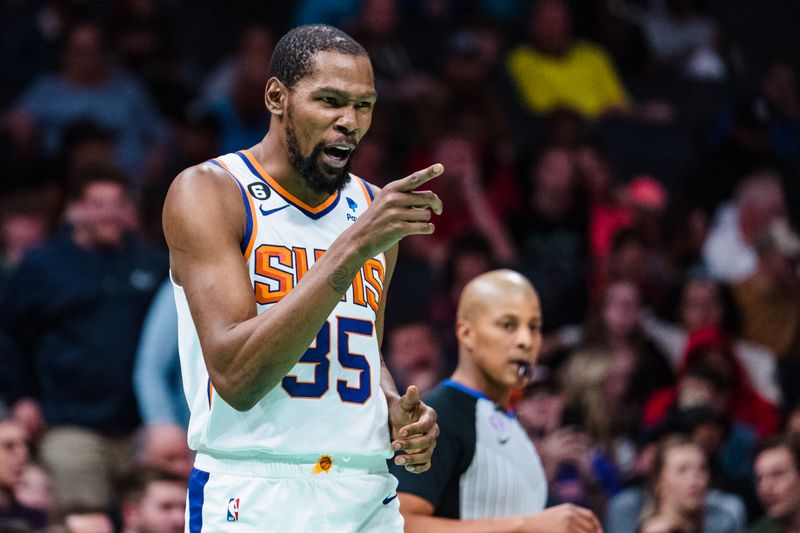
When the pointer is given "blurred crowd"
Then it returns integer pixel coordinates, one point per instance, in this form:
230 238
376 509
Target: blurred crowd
636 159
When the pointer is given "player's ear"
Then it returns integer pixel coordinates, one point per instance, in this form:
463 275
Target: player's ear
464 332
276 95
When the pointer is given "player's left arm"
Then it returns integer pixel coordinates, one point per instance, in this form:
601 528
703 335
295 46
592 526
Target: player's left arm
411 421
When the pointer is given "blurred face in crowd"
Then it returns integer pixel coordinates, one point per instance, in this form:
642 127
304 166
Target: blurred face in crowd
701 305
102 215
778 484
379 17
161 509
617 380
710 436
19 233
694 391
793 423
84 57
34 489
595 172
415 356
684 479
13 454
165 447
761 202
551 26
779 87
329 108
470 265
371 157
539 412
554 183
499 330
255 50
630 261
89 523
622 307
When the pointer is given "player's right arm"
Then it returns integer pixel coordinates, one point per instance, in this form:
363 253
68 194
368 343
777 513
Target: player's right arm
418 516
248 354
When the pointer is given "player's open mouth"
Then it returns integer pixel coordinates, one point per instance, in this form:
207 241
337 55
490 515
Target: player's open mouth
336 155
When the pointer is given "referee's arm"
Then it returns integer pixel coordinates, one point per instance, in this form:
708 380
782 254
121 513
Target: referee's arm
418 515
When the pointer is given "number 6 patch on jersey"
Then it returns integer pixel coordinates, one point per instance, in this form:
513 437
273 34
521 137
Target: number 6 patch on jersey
259 191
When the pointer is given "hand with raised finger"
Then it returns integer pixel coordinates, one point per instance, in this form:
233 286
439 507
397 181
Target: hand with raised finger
414 431
397 211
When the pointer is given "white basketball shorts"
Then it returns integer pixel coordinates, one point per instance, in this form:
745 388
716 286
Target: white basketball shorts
292 494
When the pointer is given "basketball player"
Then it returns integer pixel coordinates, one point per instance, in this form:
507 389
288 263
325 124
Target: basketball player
281 260
486 474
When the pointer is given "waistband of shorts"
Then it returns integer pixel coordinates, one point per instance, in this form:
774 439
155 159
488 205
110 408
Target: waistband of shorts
289 466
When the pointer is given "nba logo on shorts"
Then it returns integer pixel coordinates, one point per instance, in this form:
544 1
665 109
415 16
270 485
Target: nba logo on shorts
233 510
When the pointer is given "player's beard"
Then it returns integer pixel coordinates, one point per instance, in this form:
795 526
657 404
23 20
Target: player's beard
308 167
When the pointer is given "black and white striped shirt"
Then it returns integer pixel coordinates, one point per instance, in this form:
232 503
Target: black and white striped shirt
484 465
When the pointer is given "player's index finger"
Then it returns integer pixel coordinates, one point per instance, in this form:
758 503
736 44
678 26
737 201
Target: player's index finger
411 182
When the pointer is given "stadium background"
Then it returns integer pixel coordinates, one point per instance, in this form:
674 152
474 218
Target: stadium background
649 193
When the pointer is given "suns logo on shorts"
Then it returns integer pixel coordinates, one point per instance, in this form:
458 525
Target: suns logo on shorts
233 510
323 465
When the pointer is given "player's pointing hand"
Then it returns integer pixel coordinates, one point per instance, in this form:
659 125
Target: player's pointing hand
398 210
414 431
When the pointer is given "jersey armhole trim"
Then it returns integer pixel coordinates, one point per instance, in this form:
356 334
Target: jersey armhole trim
251 230
368 194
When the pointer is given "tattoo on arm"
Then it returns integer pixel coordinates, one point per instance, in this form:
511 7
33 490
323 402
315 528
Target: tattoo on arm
340 280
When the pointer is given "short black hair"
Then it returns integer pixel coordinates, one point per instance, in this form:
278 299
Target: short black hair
135 483
786 442
95 172
293 56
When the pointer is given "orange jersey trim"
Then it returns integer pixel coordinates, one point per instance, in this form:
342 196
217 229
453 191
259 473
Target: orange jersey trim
253 219
289 197
367 192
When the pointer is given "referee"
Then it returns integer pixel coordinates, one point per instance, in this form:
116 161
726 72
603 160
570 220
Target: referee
485 474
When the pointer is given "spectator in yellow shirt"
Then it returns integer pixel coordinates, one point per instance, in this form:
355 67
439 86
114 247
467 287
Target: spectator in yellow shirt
556 70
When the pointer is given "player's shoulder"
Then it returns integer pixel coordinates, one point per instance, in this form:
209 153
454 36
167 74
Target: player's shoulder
202 196
206 186
203 175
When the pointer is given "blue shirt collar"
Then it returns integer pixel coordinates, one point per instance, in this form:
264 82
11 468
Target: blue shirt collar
476 394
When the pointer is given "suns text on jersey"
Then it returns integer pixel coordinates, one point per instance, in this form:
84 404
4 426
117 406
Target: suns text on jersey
279 268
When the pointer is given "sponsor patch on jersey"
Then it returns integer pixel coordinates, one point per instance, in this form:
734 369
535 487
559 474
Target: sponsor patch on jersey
352 204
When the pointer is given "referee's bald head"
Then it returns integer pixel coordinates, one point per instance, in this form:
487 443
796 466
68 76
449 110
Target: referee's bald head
491 287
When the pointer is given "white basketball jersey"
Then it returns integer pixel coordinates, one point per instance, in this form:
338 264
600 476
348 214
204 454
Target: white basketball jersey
331 401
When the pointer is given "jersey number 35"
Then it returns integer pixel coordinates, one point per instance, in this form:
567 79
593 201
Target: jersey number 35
318 355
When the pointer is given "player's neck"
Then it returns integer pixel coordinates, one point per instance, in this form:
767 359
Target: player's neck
272 155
